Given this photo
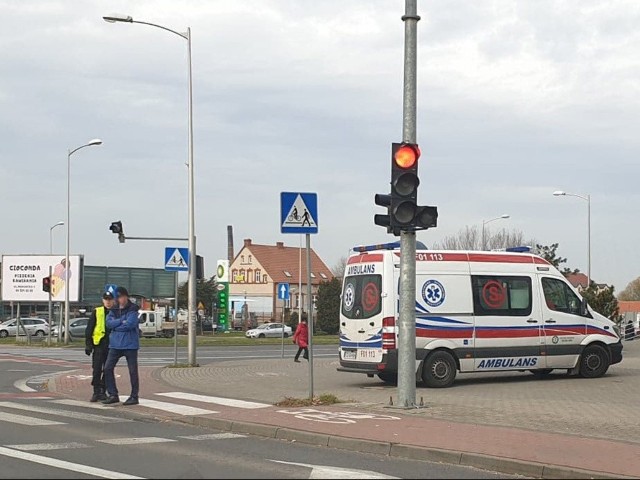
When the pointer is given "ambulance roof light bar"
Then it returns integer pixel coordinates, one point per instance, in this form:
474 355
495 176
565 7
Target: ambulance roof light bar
385 246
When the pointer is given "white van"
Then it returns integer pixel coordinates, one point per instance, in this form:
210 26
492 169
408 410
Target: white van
475 312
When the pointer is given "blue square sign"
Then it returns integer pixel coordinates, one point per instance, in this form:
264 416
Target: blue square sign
298 212
176 259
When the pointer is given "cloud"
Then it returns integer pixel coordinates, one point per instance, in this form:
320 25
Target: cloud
515 100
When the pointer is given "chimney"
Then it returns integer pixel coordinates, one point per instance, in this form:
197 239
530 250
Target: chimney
230 253
280 244
247 242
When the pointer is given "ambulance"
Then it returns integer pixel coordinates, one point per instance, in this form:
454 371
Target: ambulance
475 312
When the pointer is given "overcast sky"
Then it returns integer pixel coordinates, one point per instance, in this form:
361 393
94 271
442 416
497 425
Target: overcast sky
516 99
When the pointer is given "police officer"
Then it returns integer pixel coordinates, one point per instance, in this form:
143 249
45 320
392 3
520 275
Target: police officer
97 342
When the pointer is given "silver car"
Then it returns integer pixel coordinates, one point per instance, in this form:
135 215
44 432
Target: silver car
77 327
265 330
34 326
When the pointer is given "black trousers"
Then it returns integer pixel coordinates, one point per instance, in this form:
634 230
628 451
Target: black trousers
99 358
300 350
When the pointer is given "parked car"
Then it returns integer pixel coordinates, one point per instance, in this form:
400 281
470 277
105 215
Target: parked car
269 330
77 326
38 327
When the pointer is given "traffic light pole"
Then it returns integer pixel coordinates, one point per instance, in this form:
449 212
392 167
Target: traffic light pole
407 287
50 309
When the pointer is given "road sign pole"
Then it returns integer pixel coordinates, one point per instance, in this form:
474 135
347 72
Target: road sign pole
310 316
175 325
50 307
407 313
284 304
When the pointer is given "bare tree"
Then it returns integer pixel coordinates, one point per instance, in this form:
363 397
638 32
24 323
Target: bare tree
470 238
339 268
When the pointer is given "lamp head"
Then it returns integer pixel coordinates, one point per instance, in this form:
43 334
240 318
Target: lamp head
95 141
504 215
117 17
559 193
58 224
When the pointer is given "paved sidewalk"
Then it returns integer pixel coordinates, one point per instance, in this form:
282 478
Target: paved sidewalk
376 430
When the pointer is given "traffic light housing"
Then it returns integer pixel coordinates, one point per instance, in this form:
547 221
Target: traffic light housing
116 227
403 211
199 267
46 284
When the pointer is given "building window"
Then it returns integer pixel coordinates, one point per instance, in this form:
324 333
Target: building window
242 258
250 258
258 276
234 275
250 275
287 274
313 275
323 275
242 275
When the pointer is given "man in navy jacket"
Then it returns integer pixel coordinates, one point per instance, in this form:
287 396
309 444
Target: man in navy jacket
122 322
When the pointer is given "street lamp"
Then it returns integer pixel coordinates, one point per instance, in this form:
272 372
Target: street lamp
587 198
191 303
94 142
484 222
51 236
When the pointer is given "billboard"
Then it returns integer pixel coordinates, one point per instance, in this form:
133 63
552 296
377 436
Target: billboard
22 277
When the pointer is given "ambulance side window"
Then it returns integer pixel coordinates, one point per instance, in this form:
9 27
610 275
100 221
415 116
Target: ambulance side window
361 296
559 296
501 295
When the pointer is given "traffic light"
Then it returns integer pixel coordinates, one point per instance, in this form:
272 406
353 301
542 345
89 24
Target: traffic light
404 185
199 267
46 284
116 227
403 211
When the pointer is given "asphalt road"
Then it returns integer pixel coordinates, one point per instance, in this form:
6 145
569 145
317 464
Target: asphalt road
161 356
43 438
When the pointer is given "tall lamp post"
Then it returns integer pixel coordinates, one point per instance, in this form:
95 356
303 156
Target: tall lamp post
586 198
191 303
484 222
95 141
51 236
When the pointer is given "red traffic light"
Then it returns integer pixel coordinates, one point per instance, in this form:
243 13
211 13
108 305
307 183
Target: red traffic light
46 284
407 155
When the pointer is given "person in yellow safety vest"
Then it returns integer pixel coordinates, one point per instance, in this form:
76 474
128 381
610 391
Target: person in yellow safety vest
97 342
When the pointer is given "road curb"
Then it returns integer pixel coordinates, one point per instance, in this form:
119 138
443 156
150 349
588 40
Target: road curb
409 452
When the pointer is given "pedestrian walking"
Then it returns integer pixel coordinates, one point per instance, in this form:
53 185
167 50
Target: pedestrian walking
124 341
301 338
97 343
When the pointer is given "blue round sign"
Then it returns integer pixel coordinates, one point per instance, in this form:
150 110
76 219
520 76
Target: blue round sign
433 293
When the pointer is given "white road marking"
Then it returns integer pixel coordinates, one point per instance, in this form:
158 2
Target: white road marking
64 413
213 436
323 471
22 385
74 467
47 446
18 370
135 440
175 407
81 403
229 402
24 420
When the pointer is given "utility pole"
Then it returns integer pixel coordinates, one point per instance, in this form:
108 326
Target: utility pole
407 311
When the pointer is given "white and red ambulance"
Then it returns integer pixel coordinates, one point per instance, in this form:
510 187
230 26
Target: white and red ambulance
475 312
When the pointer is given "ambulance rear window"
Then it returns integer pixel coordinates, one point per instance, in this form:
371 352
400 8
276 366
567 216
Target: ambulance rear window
361 296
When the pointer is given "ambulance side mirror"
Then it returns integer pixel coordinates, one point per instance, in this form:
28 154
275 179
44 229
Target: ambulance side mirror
584 309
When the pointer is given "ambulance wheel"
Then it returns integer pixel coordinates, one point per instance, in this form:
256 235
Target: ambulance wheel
439 369
389 378
542 373
594 362
168 333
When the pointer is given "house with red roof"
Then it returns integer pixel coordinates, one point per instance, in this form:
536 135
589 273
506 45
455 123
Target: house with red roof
257 269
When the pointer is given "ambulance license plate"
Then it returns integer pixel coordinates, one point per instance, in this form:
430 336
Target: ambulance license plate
369 354
349 354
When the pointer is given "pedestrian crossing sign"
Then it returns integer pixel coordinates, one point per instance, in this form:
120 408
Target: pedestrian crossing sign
176 259
298 212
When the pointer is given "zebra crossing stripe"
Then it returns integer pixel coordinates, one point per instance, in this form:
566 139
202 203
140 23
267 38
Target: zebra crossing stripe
135 440
228 402
46 446
74 467
24 420
212 436
175 407
64 413
81 403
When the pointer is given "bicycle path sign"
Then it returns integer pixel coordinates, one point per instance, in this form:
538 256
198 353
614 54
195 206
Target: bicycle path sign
298 212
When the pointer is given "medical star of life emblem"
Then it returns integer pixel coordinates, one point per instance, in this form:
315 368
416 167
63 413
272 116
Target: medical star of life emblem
433 293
